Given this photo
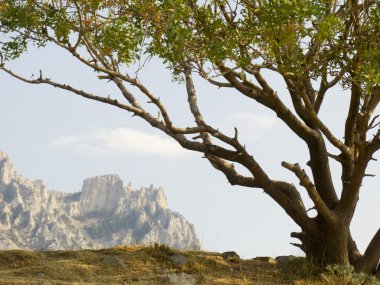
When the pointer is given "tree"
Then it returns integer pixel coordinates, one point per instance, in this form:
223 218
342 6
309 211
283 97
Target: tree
313 45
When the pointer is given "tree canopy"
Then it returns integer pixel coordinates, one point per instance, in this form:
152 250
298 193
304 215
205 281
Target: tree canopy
313 45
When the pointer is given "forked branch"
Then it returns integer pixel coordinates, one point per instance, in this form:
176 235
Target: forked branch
311 190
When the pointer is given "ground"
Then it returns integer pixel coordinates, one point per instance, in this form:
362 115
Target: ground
151 265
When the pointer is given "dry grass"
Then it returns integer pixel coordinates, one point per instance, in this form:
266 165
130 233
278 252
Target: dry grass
143 265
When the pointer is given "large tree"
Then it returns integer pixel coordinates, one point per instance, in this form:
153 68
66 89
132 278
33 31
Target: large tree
313 45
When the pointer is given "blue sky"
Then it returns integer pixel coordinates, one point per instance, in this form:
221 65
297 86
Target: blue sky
62 139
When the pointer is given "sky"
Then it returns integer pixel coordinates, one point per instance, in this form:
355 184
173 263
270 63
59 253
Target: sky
62 139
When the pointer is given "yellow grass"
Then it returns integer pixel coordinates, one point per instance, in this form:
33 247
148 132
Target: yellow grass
142 265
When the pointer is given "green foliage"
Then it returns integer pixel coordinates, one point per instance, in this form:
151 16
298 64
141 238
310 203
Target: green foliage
371 49
277 33
12 17
345 275
115 36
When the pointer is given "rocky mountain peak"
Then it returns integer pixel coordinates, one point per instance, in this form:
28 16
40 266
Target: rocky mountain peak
105 213
101 193
6 168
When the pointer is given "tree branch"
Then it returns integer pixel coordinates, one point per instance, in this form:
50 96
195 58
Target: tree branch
236 179
219 84
350 125
298 104
370 260
311 190
229 171
351 187
320 125
269 99
82 93
325 86
284 199
193 104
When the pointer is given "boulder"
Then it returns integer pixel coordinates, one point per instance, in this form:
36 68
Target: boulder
180 279
230 255
114 261
265 259
285 258
179 259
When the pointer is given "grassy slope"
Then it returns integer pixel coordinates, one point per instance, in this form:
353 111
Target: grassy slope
140 265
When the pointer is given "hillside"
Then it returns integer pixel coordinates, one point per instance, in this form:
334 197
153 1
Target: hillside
144 265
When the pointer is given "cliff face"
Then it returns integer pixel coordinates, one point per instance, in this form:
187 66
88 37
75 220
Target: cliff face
105 213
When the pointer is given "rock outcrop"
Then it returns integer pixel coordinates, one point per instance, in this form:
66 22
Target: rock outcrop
105 213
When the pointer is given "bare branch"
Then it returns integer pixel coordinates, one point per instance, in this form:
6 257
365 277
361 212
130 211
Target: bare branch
298 104
113 74
193 104
373 123
325 86
153 99
128 95
338 158
217 83
324 129
370 260
285 199
283 193
229 171
374 144
350 125
204 75
311 190
95 55
373 101
351 186
134 109
82 93
269 99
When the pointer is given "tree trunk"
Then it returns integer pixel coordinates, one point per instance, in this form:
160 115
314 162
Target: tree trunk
316 250
332 245
337 244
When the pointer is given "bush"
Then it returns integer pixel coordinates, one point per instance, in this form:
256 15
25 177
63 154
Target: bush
338 274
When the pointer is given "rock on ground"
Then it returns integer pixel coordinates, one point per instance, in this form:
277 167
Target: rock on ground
180 279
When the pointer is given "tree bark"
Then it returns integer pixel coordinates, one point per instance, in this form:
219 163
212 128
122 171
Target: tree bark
369 263
314 247
332 245
337 244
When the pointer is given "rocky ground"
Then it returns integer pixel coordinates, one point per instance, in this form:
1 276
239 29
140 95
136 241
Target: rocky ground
151 265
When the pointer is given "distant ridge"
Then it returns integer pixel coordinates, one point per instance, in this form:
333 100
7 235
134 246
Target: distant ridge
104 214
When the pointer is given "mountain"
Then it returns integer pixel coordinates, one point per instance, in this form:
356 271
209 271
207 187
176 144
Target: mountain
105 213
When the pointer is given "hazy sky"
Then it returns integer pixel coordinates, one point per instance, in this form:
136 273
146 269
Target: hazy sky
62 139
